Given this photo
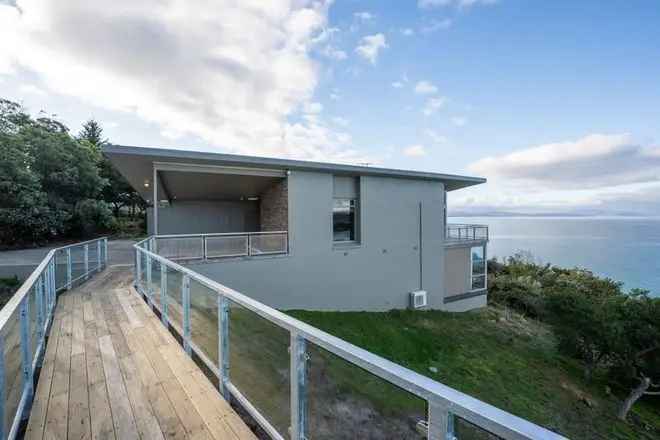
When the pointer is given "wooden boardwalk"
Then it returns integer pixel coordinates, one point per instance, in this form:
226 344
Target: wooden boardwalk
112 371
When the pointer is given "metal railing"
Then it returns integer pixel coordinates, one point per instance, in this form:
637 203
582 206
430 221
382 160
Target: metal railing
276 366
221 245
25 322
461 232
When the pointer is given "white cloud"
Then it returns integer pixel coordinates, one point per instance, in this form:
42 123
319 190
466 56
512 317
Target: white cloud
594 161
436 137
364 16
340 121
416 150
428 4
334 53
407 32
335 96
397 84
199 74
31 89
459 121
436 25
425 88
433 105
370 46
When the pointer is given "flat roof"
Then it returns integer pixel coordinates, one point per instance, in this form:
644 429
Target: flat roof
150 154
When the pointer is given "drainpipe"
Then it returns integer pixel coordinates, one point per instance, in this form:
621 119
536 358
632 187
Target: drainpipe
155 200
421 269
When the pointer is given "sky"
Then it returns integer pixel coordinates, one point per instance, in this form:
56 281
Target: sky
556 103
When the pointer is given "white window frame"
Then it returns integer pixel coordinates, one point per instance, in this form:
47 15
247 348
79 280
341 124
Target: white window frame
484 275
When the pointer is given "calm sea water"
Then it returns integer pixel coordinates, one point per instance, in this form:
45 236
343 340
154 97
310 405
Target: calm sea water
625 249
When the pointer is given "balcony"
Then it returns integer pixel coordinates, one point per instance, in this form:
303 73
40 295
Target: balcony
461 233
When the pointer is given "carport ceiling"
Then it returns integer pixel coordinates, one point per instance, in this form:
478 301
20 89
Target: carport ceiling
182 185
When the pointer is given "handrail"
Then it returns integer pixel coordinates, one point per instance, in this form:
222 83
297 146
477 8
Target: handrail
43 284
200 247
443 402
466 232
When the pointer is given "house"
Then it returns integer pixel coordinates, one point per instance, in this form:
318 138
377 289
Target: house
308 235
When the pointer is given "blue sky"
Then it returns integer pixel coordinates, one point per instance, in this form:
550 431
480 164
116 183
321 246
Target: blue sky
557 103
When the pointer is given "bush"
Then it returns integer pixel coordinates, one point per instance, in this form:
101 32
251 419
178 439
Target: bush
92 216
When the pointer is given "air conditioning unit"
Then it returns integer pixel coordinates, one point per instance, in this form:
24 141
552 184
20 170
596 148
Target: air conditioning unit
418 299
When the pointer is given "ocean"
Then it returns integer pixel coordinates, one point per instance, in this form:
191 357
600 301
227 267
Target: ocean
624 249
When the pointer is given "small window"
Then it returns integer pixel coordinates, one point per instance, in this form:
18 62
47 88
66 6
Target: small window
344 220
478 267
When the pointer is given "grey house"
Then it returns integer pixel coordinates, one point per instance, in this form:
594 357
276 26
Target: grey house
307 235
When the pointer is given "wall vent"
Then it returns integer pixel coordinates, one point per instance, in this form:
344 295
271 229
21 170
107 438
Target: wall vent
418 299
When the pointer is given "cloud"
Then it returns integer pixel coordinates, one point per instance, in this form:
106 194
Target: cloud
459 121
31 89
363 16
334 53
340 121
194 68
433 105
407 32
397 84
435 137
436 25
370 46
429 4
425 88
415 151
593 161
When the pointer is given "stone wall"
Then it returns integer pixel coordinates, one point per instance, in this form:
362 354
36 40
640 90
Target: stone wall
275 207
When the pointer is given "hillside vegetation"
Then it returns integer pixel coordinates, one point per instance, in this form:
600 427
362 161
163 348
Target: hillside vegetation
562 348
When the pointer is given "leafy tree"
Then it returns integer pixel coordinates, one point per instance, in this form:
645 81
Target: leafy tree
636 354
118 192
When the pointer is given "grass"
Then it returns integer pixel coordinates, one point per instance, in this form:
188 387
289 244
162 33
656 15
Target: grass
498 357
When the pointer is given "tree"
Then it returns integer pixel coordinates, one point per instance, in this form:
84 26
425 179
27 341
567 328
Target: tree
93 133
118 192
637 351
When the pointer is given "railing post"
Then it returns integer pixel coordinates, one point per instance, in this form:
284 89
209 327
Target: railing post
68 268
204 247
223 345
138 270
2 386
249 237
185 302
53 287
99 262
440 421
105 252
42 282
149 288
298 381
86 249
26 358
163 296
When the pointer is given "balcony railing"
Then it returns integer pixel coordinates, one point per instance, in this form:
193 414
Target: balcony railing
25 321
222 245
461 232
281 369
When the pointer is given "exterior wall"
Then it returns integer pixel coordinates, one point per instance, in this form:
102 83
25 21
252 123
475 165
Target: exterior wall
275 207
376 274
458 282
457 270
199 217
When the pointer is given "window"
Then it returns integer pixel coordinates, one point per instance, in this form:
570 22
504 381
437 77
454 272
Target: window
344 220
478 267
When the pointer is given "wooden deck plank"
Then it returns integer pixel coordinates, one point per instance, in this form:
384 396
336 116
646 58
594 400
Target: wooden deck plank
79 415
37 420
145 419
122 414
111 371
